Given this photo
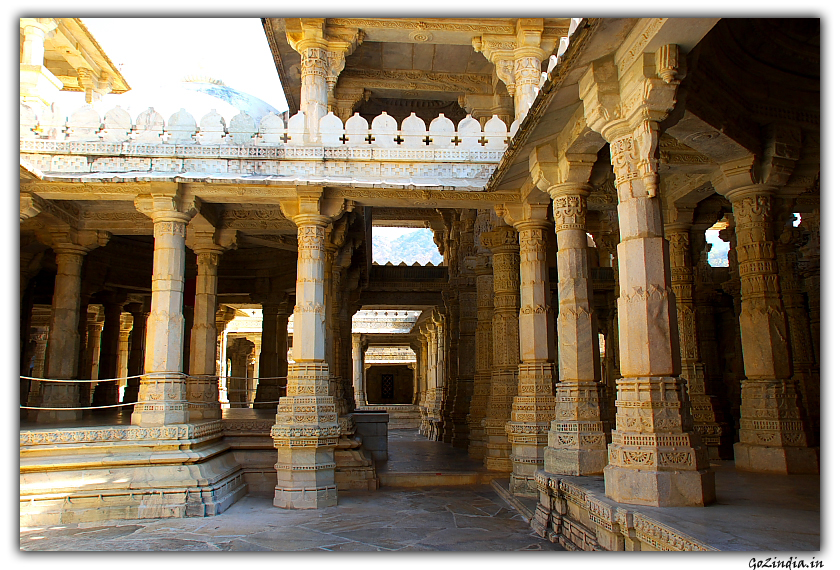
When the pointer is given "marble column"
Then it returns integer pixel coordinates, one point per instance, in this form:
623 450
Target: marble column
423 362
811 276
772 434
162 398
240 351
63 344
95 326
223 316
451 350
273 359
577 442
654 458
137 351
106 393
313 87
533 404
502 243
483 355
705 409
306 430
358 370
126 324
202 384
466 333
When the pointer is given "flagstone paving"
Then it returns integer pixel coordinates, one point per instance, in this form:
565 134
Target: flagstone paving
464 518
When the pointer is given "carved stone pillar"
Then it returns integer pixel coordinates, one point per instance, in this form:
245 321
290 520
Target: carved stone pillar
483 355
654 458
577 443
162 398
202 384
63 344
240 351
772 434
321 61
705 409
502 242
426 380
96 320
223 316
518 68
136 353
126 324
358 370
450 336
274 339
805 375
466 333
533 404
106 393
437 376
306 430
811 276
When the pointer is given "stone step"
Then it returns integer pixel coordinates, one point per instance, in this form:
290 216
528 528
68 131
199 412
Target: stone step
434 479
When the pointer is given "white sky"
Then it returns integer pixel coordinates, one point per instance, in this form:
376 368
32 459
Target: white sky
233 50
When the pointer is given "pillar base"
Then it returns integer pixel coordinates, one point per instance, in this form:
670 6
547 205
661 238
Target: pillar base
523 485
315 498
782 460
575 461
162 400
659 488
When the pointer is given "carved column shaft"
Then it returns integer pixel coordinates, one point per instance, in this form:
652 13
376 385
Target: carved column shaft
526 74
358 370
136 354
466 333
533 404
162 398
306 430
313 87
772 436
652 447
273 336
704 407
577 442
105 393
502 242
805 373
483 355
202 385
63 345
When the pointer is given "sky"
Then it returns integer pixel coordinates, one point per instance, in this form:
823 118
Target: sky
233 50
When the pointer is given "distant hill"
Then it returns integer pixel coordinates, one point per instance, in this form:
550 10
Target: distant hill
415 246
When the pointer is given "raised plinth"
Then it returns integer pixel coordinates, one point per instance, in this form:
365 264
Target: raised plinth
785 460
73 475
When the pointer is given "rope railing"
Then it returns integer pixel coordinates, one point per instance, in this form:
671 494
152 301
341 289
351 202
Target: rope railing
191 403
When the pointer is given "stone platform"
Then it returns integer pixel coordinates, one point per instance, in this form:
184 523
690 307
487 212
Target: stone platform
753 512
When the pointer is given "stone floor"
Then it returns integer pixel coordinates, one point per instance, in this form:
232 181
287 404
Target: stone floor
418 508
466 518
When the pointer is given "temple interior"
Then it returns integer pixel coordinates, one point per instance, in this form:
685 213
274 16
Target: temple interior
622 335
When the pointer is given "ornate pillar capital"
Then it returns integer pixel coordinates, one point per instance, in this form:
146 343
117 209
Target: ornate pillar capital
167 204
74 241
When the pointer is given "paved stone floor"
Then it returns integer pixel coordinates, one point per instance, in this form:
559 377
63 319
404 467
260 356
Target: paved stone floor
467 518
